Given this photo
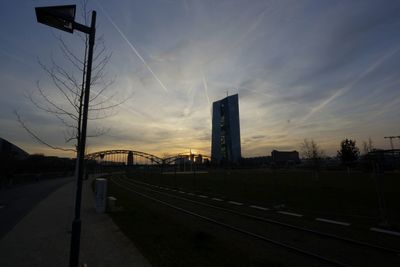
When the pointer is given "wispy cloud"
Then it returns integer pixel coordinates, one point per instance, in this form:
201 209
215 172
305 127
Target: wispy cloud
12 56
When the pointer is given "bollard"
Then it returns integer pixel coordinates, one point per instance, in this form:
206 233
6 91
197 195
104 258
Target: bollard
101 195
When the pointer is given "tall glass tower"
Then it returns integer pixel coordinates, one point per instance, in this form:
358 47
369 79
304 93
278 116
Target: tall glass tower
225 144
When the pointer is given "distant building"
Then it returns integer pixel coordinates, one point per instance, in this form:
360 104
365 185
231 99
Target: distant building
225 143
383 160
130 158
285 157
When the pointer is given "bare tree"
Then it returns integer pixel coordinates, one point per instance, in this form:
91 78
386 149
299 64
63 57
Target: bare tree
66 100
368 146
369 160
313 154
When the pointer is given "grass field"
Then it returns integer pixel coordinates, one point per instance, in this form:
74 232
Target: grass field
170 238
335 193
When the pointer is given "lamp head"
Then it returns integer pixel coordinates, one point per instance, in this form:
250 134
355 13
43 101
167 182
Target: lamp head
60 17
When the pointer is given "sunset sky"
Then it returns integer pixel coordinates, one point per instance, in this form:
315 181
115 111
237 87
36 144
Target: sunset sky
323 70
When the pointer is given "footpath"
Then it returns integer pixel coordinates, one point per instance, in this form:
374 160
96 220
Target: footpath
42 237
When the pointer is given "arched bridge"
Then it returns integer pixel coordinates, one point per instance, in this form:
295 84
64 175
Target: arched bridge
121 155
131 157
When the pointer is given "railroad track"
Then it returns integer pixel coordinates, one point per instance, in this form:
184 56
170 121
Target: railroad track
189 206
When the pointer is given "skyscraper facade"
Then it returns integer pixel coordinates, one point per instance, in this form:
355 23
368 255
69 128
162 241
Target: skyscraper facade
225 143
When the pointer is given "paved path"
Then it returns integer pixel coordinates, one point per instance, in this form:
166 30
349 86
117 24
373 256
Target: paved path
42 237
18 201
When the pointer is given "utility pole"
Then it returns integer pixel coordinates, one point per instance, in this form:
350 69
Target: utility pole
391 140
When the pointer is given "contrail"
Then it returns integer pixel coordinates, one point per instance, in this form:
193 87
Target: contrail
206 88
132 47
349 86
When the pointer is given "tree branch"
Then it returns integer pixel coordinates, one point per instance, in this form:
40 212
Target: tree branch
31 133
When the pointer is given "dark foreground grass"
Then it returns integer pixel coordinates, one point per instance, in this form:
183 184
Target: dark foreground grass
331 193
169 238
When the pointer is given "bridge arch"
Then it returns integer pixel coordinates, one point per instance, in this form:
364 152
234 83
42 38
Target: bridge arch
127 157
116 156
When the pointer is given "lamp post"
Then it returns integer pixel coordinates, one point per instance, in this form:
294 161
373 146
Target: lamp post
63 18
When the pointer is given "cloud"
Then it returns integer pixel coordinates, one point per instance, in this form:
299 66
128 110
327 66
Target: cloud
302 69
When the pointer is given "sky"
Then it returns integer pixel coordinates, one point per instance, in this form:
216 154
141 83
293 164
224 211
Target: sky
321 70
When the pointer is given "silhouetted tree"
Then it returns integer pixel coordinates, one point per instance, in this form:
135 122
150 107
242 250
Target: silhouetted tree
348 152
65 100
310 151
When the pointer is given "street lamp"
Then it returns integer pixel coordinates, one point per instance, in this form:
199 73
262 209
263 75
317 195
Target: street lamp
63 18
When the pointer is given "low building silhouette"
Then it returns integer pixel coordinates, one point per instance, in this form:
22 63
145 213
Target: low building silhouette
285 157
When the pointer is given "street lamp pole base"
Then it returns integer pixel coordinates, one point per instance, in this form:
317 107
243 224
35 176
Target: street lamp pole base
75 243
